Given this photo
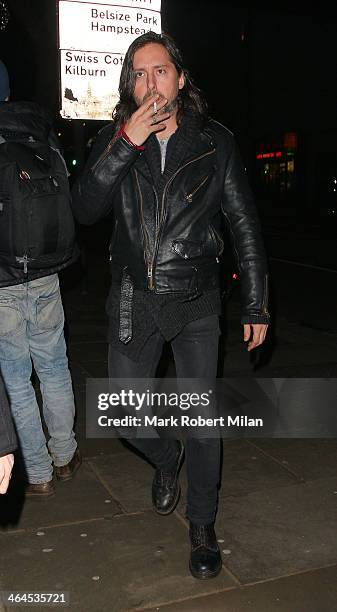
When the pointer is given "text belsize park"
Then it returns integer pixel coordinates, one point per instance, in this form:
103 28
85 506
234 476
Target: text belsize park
121 17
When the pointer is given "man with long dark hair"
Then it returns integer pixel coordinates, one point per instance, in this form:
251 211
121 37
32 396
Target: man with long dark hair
169 174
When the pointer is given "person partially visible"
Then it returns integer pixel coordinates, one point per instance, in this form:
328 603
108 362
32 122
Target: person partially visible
35 211
8 443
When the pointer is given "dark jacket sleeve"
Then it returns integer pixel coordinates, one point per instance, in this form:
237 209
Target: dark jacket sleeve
108 163
7 434
240 212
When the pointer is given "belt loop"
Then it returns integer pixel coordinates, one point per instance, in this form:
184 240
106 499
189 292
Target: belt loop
125 308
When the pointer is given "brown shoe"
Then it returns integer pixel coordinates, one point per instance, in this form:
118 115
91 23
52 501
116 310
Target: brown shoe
66 472
41 489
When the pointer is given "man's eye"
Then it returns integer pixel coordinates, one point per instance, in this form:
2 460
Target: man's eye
161 70
138 74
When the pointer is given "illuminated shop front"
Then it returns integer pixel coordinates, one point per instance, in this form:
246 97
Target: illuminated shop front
276 165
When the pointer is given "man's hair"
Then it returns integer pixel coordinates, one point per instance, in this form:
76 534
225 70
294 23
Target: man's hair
189 97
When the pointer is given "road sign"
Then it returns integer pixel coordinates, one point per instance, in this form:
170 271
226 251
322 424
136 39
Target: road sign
93 39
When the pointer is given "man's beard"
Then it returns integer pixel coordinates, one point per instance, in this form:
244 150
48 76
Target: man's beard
168 108
171 106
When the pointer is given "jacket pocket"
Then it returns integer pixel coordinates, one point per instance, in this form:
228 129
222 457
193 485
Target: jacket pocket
49 311
11 319
187 249
193 191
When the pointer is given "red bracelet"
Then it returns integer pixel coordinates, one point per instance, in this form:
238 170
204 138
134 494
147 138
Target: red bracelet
124 135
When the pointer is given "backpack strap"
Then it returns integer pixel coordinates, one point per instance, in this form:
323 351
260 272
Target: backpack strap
62 159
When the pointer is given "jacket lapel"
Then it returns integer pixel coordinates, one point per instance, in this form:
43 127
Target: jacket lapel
188 142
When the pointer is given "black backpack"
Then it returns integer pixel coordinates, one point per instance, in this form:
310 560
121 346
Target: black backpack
36 223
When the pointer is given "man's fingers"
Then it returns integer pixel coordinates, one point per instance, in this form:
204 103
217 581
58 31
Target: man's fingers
158 117
255 339
259 334
149 102
158 122
246 332
263 335
153 104
4 485
6 465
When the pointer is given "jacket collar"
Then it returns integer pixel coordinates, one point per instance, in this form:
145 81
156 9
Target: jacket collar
188 142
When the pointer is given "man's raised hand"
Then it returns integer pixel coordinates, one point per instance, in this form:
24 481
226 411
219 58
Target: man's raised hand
149 118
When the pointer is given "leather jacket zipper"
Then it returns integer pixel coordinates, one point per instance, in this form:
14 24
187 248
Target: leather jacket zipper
113 239
265 297
163 211
103 156
189 197
157 209
148 260
147 255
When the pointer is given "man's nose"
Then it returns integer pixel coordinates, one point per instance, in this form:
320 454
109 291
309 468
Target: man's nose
151 82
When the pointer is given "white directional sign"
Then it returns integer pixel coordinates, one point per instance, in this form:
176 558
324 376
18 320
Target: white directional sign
93 39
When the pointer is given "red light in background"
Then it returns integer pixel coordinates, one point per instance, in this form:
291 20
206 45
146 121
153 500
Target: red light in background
234 276
290 140
269 155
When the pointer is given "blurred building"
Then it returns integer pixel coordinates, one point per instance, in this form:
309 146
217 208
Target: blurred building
293 121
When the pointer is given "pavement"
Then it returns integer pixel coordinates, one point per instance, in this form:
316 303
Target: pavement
100 541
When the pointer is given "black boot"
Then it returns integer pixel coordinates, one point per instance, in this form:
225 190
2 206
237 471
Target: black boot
165 486
205 561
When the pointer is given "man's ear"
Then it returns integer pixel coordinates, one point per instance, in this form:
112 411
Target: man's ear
181 82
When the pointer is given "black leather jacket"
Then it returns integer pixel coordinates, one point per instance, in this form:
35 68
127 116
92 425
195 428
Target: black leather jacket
183 254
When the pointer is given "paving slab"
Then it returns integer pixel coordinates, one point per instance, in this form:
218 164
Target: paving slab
117 564
308 458
279 531
309 592
82 498
245 469
128 478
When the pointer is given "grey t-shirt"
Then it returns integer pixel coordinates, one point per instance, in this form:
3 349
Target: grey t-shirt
163 148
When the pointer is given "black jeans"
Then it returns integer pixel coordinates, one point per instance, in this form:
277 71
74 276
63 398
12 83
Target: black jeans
195 351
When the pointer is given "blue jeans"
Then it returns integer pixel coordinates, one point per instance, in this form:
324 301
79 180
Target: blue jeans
31 331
